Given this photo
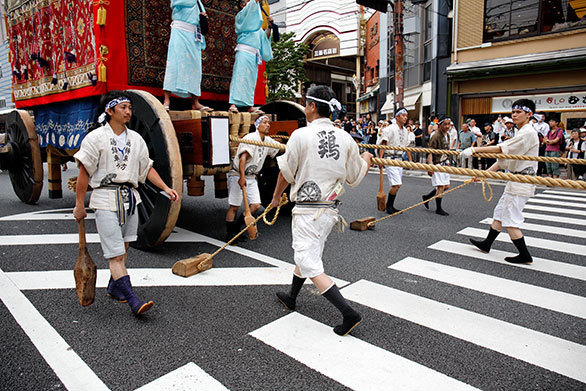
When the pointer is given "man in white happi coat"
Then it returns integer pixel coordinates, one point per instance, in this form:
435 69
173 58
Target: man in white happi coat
396 135
318 160
246 165
113 160
508 212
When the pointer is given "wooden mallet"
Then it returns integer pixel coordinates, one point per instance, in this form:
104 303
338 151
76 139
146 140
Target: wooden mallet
381 197
248 219
85 271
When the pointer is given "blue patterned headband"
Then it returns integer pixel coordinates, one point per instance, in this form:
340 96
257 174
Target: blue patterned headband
524 108
259 120
333 103
110 105
402 111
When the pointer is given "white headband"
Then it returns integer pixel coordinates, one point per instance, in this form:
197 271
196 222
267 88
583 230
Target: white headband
402 111
524 108
333 103
113 103
259 120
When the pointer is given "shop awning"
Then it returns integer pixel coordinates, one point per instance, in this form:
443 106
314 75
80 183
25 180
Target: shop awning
547 61
389 105
409 102
369 94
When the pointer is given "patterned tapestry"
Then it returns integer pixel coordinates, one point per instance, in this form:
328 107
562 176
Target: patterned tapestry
52 46
147 36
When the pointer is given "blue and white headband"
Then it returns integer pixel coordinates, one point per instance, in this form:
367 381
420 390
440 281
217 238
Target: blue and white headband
524 108
333 103
259 120
402 111
110 105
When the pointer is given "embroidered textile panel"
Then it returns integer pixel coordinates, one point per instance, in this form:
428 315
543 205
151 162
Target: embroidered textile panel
64 125
51 43
147 35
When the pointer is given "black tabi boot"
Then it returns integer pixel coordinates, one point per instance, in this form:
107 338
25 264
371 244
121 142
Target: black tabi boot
427 197
438 209
232 228
288 299
390 204
351 317
524 256
137 306
486 244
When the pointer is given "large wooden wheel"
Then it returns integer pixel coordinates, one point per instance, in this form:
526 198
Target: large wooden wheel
157 214
26 169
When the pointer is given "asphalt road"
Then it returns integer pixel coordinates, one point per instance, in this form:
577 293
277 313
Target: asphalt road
437 313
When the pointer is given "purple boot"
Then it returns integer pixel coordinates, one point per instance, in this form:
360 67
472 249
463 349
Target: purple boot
114 292
137 306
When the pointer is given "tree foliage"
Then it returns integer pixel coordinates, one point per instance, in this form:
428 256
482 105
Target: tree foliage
285 71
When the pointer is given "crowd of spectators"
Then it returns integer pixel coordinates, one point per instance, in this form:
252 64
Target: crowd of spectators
555 140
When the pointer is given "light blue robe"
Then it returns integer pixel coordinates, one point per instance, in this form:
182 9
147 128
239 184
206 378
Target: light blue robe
244 74
183 70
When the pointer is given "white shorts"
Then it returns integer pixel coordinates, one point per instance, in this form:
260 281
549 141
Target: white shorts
112 234
394 175
440 179
235 192
309 238
509 210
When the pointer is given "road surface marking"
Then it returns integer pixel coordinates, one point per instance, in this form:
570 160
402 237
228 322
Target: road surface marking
189 377
557 203
557 219
348 360
513 290
560 197
570 193
550 229
73 372
539 264
545 351
555 245
557 211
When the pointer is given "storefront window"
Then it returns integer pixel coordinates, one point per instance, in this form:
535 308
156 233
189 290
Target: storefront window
510 19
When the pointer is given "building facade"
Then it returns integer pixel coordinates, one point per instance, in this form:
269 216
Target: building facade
369 91
503 52
426 33
332 29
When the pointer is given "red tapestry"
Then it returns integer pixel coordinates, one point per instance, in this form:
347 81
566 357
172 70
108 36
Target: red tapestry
147 36
52 47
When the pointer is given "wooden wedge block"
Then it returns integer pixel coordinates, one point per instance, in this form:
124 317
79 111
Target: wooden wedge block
362 224
190 266
180 115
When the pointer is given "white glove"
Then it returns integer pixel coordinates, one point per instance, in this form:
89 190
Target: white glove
467 153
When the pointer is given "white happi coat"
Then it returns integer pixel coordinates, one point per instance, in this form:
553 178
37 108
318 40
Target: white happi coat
317 157
525 142
257 156
106 165
395 136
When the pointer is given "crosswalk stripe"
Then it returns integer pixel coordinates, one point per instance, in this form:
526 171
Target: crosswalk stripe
518 291
539 264
557 203
570 193
546 244
557 219
348 360
560 197
576 233
73 372
546 351
541 208
186 378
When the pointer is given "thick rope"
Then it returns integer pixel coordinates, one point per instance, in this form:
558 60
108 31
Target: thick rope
432 151
484 155
282 202
553 182
534 180
372 223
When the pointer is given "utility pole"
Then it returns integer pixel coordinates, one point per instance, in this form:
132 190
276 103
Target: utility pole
398 33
